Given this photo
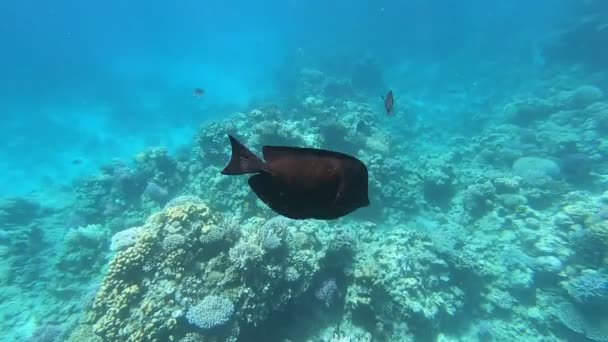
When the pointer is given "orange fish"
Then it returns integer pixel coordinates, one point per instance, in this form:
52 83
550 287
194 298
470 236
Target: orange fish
389 102
198 92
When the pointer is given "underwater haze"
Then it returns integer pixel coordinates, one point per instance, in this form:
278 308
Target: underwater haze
481 125
97 81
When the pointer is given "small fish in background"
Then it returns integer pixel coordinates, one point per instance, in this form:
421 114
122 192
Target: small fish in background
76 161
303 183
389 102
198 92
455 91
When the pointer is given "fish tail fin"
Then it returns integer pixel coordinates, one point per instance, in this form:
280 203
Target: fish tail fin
242 160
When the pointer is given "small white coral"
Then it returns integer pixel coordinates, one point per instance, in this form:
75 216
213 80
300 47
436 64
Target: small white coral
125 238
312 102
211 312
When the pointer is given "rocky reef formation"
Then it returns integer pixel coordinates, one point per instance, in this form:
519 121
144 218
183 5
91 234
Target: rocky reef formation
502 235
189 275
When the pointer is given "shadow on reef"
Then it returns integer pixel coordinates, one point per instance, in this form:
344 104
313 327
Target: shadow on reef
299 322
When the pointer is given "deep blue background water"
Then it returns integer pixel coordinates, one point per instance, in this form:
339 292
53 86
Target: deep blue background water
100 80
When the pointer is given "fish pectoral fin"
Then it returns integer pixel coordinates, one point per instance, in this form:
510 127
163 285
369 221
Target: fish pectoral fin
339 194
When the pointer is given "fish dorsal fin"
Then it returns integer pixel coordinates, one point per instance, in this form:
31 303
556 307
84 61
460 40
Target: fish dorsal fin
273 153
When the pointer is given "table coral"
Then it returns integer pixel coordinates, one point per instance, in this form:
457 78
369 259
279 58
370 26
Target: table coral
211 312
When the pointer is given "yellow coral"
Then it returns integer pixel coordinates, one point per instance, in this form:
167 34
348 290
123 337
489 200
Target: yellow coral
117 313
177 214
578 212
141 158
187 212
117 292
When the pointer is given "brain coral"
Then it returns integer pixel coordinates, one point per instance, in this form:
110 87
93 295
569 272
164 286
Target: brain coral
535 170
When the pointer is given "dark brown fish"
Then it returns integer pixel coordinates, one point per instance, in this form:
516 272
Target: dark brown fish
198 92
302 183
389 102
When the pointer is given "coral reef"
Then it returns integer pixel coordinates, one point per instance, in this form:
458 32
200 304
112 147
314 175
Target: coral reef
499 236
177 278
212 312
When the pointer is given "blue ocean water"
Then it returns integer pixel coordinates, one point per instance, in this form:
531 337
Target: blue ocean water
488 179
102 81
